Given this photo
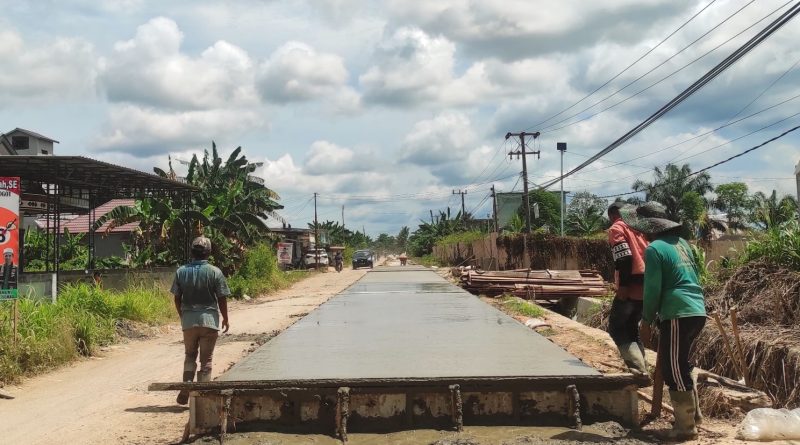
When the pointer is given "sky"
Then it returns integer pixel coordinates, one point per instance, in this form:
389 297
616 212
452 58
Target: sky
389 108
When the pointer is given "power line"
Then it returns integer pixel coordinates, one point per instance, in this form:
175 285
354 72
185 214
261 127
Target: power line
768 141
550 129
629 66
705 79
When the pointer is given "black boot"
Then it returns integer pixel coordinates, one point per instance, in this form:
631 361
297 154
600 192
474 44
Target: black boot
183 396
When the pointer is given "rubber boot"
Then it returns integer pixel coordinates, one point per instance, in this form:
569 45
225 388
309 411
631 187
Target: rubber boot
203 376
633 358
183 396
698 415
684 427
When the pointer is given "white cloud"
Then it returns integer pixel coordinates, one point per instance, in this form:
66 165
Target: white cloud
296 72
64 68
151 70
328 158
148 131
440 140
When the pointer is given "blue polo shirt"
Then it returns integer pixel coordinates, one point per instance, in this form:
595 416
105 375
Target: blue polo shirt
200 285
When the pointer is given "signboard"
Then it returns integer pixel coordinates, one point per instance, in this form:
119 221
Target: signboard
9 236
285 253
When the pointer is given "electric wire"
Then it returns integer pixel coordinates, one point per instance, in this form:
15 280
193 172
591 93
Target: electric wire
717 164
629 66
696 86
551 129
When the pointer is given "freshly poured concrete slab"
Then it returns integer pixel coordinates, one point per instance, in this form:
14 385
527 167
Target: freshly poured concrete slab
406 323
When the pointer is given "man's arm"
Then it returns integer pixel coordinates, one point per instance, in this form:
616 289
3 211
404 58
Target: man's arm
652 286
178 293
223 309
223 292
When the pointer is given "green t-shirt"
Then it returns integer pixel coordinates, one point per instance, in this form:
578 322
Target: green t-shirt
671 285
199 285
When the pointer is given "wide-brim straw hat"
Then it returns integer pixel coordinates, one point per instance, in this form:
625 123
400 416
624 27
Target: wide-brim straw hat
649 218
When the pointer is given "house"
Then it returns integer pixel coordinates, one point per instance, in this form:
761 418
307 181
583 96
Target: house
107 242
26 143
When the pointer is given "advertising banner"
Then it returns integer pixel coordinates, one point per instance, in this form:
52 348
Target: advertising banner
285 253
9 236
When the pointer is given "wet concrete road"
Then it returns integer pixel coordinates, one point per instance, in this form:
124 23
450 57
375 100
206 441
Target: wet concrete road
405 322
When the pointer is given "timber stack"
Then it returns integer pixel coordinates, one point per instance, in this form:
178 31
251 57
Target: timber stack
535 284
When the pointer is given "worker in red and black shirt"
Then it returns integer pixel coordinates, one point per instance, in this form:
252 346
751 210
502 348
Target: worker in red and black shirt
627 247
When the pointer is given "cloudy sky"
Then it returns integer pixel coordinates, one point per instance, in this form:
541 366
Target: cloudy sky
387 107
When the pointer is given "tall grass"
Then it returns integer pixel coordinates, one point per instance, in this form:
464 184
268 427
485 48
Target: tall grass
82 320
779 246
259 273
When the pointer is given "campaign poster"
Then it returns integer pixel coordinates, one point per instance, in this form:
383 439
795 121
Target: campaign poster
285 253
9 236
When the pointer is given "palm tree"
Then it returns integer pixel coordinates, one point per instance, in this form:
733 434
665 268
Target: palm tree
770 212
587 221
671 184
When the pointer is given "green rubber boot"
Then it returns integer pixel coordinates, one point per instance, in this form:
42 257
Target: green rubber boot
685 427
632 356
183 396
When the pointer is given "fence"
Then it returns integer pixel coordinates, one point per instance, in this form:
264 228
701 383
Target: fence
553 252
40 284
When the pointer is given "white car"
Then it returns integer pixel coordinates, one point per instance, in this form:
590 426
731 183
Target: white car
311 258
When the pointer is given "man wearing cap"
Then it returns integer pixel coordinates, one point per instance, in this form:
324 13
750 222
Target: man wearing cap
201 295
8 271
673 298
627 247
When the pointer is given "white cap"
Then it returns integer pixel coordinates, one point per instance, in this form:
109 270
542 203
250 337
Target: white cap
8 251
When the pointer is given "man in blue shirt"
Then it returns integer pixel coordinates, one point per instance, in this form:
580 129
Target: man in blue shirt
201 293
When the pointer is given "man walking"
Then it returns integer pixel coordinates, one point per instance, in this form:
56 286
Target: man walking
628 247
201 293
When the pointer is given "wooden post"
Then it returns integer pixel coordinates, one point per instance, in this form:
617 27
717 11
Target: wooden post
726 341
658 386
15 321
739 348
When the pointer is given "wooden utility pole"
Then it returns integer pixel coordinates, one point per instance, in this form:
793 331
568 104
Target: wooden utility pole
494 209
522 152
463 209
316 232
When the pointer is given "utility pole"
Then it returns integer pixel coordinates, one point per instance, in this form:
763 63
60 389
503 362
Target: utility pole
494 209
522 152
316 232
463 210
562 147
431 216
342 217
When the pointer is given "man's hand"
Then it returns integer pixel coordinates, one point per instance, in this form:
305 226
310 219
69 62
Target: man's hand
646 334
225 325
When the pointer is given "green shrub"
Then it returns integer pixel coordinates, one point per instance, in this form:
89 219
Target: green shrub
82 320
779 246
259 273
461 237
518 306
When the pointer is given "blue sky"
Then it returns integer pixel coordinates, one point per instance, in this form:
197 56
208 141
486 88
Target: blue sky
386 107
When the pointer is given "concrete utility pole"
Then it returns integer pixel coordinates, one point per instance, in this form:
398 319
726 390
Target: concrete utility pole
522 152
316 232
463 210
494 209
797 175
562 147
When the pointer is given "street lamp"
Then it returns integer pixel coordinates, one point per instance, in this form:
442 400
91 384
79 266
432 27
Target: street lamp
562 147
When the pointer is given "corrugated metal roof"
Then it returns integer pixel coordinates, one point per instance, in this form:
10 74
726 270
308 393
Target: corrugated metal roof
81 223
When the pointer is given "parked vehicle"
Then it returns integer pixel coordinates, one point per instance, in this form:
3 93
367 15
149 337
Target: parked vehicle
311 258
363 258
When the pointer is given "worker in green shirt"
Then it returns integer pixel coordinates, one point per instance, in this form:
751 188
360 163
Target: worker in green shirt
674 298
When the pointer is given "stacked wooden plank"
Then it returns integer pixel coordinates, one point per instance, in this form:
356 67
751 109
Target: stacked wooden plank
535 284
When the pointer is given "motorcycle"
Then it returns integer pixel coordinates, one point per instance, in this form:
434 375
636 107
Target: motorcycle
339 263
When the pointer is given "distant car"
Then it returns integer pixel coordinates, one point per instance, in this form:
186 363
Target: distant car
363 258
311 258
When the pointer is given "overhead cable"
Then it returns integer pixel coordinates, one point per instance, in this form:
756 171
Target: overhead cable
705 79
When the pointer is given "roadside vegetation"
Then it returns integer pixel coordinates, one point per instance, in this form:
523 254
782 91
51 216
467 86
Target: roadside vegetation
84 319
517 306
